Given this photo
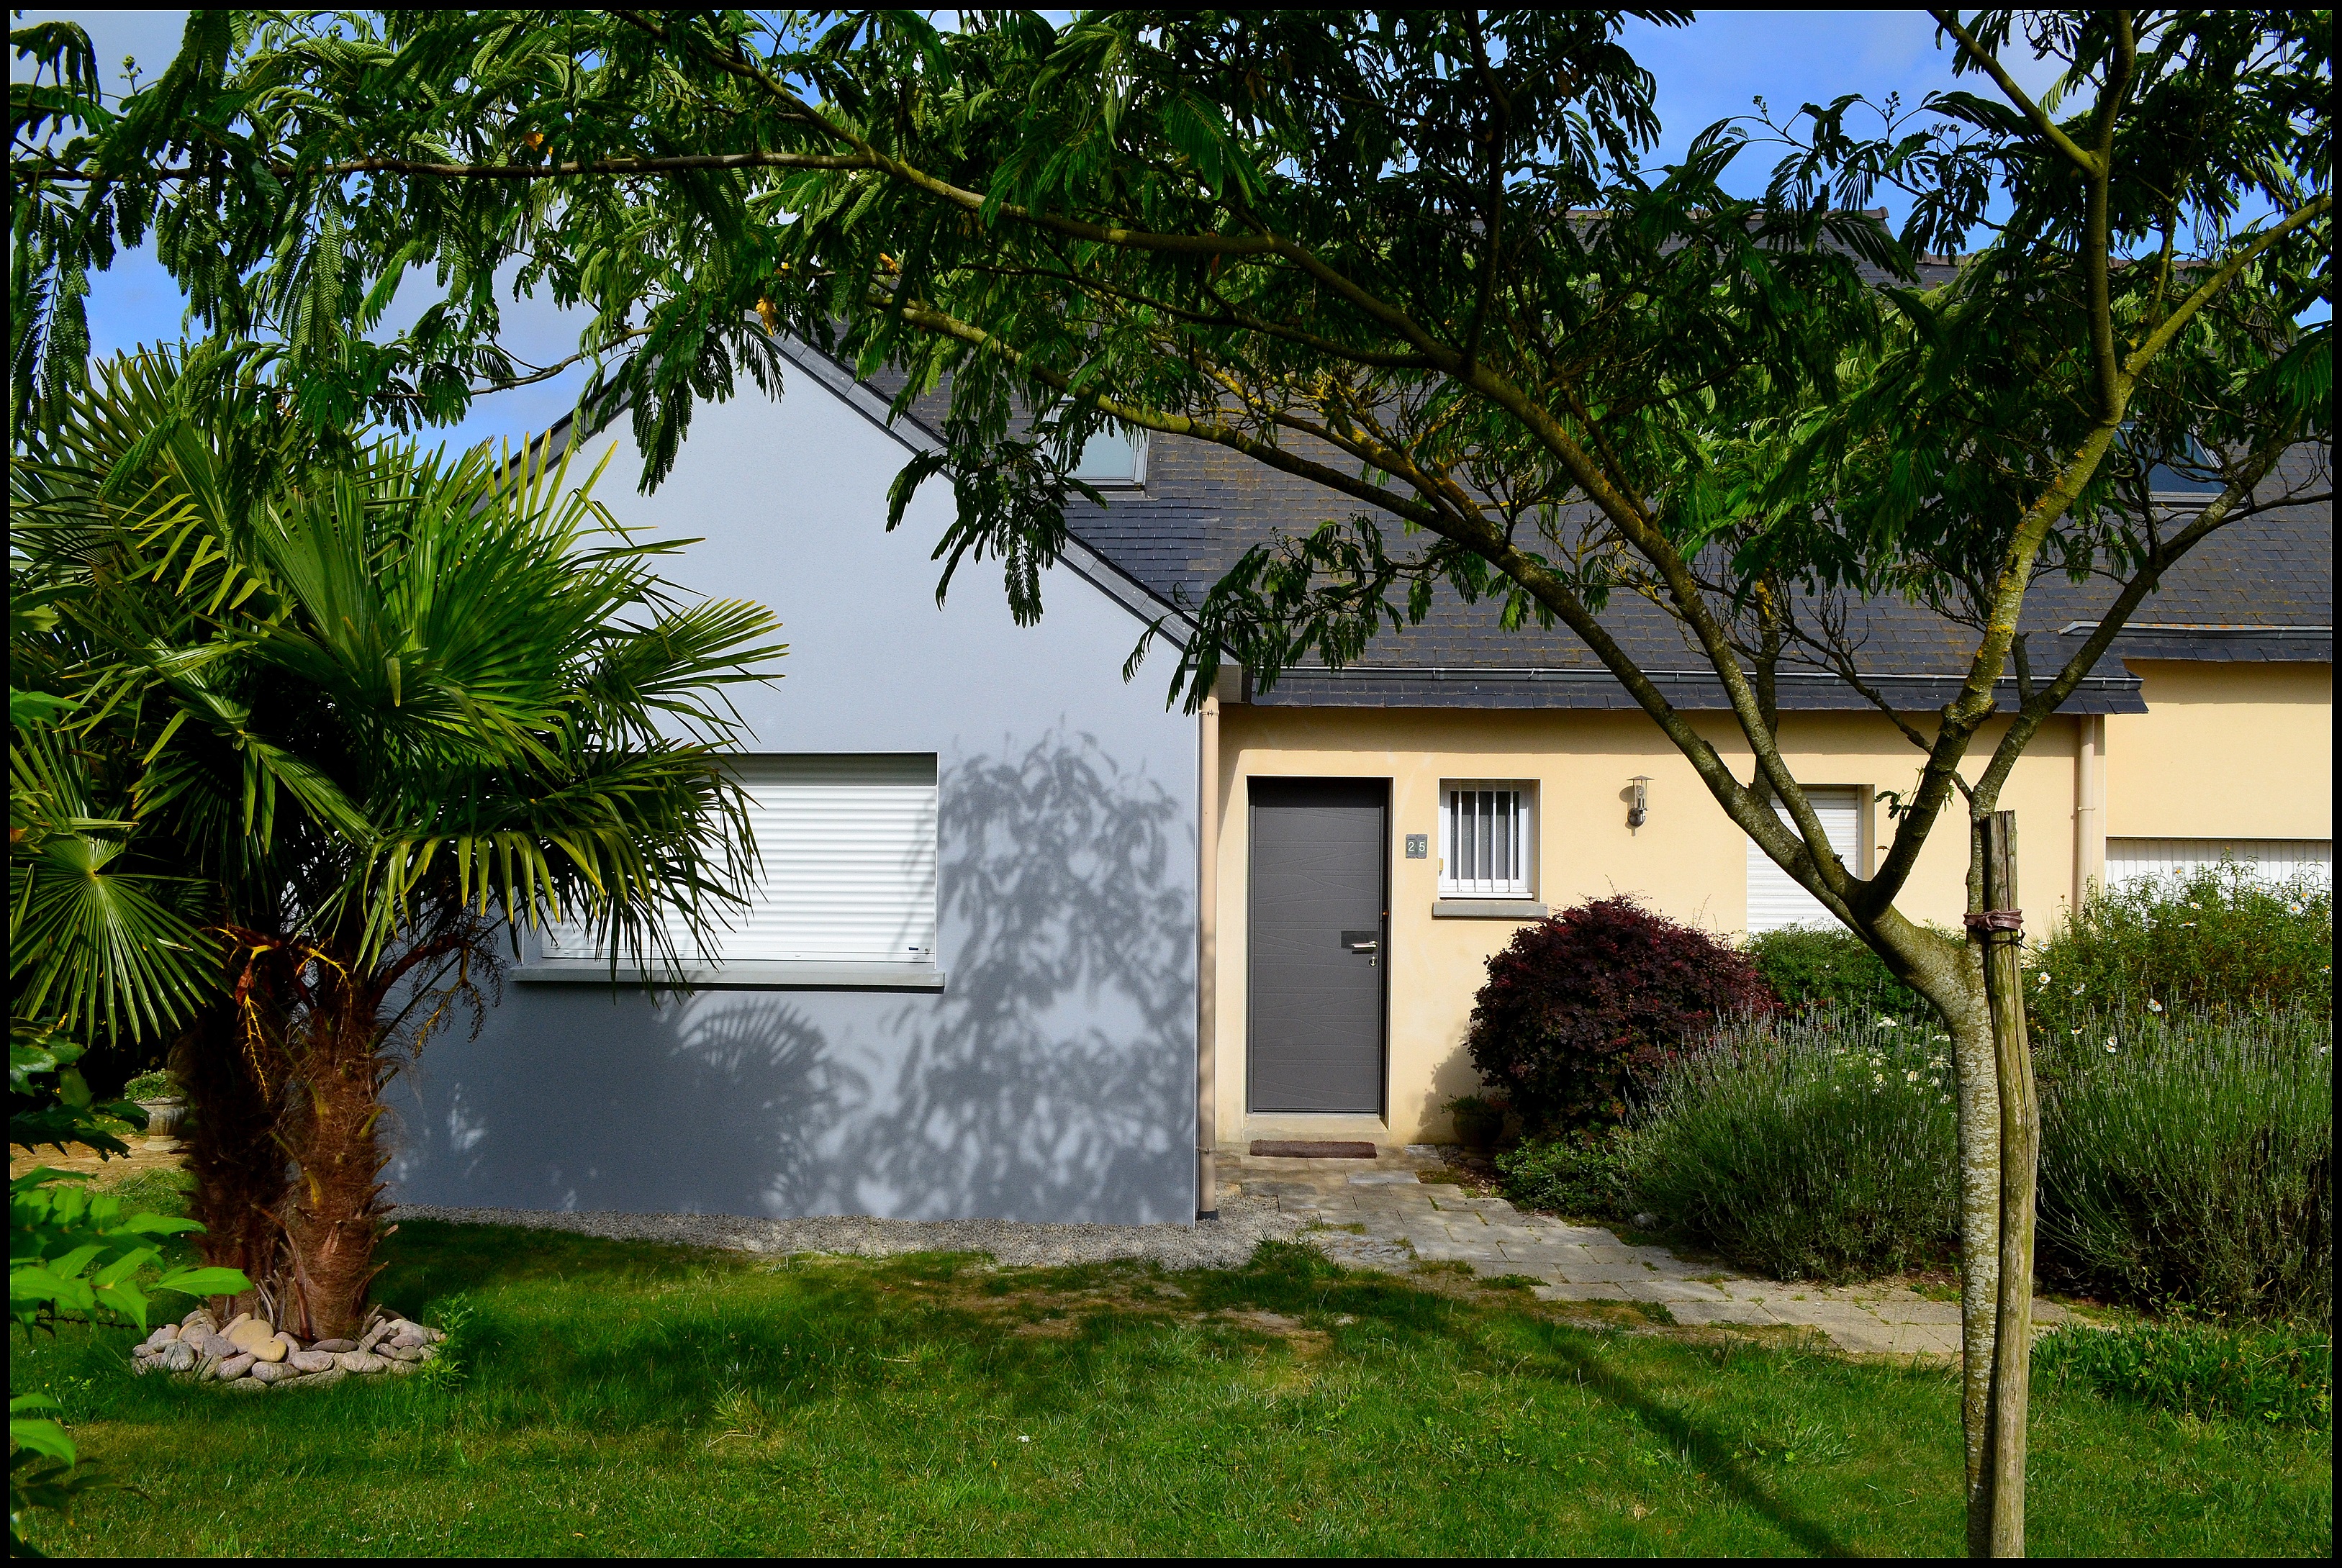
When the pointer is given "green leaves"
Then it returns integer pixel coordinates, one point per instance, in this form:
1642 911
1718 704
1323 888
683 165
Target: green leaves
96 941
51 1105
71 1250
354 703
74 1252
41 1468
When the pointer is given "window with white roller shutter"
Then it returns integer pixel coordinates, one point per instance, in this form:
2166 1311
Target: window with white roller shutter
1774 900
848 872
2135 860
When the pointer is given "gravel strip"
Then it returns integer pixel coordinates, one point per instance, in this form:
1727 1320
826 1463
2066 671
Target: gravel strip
1223 1244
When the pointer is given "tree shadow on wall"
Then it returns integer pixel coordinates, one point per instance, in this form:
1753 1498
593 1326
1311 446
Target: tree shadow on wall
712 1104
1054 1079
760 1086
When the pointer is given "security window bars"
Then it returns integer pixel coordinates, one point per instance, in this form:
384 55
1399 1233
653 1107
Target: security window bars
1486 841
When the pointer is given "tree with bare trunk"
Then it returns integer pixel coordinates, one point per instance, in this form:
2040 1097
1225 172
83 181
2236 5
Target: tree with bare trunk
1412 256
368 711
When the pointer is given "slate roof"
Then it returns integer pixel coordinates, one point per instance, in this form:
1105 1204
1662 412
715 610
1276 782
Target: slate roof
2259 590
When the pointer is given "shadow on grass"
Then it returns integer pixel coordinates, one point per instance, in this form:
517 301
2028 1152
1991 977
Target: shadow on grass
430 1259
805 1332
1298 1277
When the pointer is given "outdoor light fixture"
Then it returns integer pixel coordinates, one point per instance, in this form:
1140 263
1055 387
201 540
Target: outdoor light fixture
1638 801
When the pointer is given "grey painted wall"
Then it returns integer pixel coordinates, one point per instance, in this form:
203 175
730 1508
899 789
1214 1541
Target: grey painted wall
1054 1077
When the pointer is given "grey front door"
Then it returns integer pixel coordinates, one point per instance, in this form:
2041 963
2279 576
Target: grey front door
1318 931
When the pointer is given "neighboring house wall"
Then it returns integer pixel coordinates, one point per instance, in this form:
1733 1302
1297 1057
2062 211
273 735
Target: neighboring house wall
1688 861
1053 1077
2223 750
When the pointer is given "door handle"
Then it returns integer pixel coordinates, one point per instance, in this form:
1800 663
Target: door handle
1364 947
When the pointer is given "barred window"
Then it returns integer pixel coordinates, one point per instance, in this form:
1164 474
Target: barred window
1487 838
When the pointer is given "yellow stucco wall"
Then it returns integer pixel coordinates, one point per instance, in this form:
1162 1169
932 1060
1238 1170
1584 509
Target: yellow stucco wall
2223 750
1689 862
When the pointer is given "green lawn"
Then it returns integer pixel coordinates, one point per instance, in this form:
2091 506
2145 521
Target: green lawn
619 1398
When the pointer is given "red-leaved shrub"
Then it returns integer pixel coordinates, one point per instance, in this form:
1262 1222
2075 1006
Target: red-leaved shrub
1577 1008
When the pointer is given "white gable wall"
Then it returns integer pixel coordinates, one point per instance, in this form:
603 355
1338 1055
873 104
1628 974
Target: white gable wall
1053 1076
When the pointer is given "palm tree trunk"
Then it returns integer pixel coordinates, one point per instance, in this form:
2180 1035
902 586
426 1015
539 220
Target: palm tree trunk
235 1111
335 1218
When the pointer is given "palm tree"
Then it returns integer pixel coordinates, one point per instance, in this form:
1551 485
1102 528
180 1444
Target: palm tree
386 709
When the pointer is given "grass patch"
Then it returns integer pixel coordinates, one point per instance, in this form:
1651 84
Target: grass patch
155 1190
624 1398
2279 1375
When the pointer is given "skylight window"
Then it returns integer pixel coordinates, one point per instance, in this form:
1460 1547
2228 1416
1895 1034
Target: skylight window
2197 476
1115 455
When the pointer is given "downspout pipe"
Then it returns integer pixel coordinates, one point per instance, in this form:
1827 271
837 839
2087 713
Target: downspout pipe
2089 821
1207 911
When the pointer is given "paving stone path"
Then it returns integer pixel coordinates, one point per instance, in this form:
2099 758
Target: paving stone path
1383 1215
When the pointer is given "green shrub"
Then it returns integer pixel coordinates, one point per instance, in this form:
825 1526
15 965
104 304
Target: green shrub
156 1085
2278 1375
2218 940
1817 1146
1479 1121
1814 966
2191 1160
1585 1173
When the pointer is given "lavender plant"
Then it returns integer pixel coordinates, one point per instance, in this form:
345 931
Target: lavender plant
2190 1158
1811 1146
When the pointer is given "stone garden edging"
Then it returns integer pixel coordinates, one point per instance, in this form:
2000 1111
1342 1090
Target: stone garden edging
252 1353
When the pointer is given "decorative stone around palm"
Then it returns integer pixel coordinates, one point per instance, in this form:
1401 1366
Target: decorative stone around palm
250 1354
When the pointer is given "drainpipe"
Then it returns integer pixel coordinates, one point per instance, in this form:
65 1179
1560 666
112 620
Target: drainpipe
2090 824
1208 921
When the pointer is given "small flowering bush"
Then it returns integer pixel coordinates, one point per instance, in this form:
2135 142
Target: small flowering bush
1586 1174
2221 940
1814 1146
2189 1159
1578 1010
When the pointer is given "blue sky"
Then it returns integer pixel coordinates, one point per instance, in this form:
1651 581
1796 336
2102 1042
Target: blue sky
1707 71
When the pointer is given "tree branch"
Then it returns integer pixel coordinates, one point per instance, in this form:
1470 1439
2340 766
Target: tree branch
2225 274
1949 21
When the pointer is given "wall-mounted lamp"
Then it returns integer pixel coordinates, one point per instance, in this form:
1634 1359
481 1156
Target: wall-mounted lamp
1638 800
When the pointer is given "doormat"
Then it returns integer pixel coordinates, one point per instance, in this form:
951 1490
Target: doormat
1291 1151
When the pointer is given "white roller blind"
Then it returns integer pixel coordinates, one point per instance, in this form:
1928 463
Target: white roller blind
848 845
2130 860
1774 900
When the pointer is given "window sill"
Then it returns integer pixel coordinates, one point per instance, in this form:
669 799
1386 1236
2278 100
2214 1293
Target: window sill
745 976
1488 909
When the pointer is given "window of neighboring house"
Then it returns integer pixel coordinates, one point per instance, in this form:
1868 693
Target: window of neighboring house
1775 898
2130 861
847 846
1487 839
2201 477
1115 455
